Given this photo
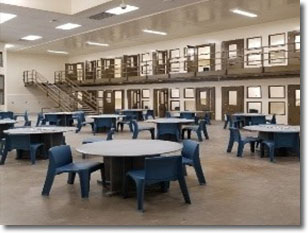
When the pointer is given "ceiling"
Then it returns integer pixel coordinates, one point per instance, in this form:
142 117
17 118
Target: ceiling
179 18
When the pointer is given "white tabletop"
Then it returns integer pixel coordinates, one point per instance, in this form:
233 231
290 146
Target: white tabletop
129 148
106 116
59 113
40 130
170 121
274 128
133 110
248 114
7 121
186 111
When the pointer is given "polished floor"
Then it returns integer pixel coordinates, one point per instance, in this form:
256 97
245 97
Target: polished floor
239 191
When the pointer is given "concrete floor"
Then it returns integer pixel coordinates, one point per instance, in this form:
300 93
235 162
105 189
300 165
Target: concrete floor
239 191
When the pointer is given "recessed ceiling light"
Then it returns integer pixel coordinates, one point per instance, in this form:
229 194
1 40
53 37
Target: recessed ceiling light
244 13
68 26
6 17
31 37
155 32
7 46
57 51
97 44
122 10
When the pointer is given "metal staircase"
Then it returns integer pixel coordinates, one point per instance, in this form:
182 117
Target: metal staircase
68 97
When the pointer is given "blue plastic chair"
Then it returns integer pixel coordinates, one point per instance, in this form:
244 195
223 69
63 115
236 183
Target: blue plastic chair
198 129
21 143
235 136
40 120
281 140
80 119
168 129
149 113
96 139
7 115
157 170
260 120
228 121
207 118
187 115
100 123
52 120
168 115
136 129
61 161
126 121
27 122
191 157
272 121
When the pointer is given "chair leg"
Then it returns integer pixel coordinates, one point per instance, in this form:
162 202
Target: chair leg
184 170
252 147
71 177
199 173
140 194
188 134
102 170
183 133
152 134
164 186
240 149
84 177
125 187
135 134
199 136
48 182
271 152
18 154
230 145
206 134
33 155
225 125
184 189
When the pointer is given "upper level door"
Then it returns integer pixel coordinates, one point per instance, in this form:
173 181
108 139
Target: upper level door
160 64
232 100
294 47
107 68
294 104
131 65
205 100
232 54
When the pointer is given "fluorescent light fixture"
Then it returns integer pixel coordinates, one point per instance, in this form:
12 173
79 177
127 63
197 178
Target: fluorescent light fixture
121 10
31 37
68 26
6 17
57 52
244 13
7 46
155 32
97 44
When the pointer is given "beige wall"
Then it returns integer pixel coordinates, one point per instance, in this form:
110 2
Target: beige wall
20 98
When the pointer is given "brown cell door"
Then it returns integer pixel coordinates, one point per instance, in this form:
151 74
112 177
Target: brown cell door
71 71
134 99
160 62
206 57
109 102
232 100
294 48
205 100
161 102
294 104
132 64
108 68
233 54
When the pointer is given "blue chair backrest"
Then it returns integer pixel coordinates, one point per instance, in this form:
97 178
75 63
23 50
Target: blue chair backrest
18 141
163 168
187 115
5 115
150 112
52 119
81 115
259 120
40 119
167 128
286 139
190 149
101 122
235 134
273 120
60 156
168 114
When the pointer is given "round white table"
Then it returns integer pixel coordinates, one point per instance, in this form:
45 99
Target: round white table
169 126
274 128
123 155
6 124
108 116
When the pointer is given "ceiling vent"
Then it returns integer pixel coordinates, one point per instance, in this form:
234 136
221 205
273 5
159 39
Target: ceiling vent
101 16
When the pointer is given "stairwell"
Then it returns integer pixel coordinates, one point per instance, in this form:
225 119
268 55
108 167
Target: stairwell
66 94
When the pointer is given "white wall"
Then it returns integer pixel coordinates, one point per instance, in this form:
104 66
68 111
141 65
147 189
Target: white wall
20 98
3 71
